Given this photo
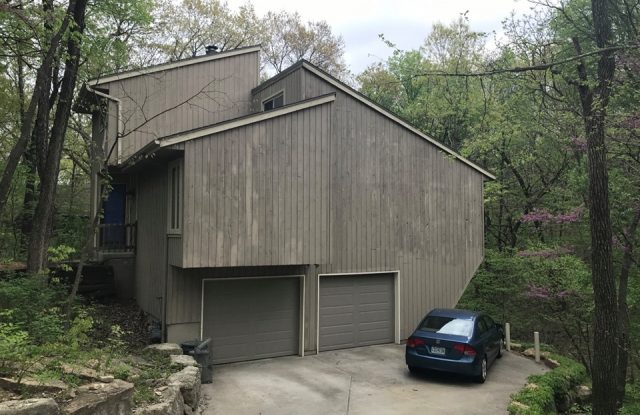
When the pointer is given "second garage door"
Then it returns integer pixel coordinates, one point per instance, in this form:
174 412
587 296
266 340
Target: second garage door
356 311
251 318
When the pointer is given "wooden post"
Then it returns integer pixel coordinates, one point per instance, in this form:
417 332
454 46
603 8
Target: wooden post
507 336
536 345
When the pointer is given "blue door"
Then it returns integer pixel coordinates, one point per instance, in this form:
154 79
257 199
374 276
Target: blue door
113 226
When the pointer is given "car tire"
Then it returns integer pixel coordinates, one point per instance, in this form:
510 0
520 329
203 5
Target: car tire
413 370
500 348
482 377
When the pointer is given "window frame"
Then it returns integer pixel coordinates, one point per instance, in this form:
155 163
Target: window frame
271 98
175 197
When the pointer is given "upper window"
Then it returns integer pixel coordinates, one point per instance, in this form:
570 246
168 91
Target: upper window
175 197
273 102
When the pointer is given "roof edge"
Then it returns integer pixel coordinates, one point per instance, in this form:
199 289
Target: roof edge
277 77
362 98
245 120
118 76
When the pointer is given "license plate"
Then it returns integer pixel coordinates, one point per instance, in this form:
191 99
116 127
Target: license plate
437 350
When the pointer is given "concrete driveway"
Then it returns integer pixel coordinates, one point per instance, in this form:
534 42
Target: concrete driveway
366 380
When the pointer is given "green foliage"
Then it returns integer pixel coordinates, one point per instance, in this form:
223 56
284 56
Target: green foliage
542 393
551 295
632 399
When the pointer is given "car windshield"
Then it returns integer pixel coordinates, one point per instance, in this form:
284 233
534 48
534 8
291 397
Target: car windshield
447 325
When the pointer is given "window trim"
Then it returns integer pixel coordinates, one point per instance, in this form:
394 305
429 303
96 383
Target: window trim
272 96
179 204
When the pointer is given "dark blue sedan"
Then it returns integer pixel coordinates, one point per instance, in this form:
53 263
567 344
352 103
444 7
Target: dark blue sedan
457 341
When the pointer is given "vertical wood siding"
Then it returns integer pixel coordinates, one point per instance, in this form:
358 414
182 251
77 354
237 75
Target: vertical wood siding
151 240
340 186
180 99
291 85
258 195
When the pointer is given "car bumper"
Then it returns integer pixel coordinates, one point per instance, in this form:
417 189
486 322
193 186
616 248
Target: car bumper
466 366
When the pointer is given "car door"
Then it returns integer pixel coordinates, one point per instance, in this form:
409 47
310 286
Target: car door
493 336
483 337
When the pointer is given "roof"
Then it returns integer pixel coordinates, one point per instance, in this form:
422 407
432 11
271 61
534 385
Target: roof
172 140
365 100
454 313
171 65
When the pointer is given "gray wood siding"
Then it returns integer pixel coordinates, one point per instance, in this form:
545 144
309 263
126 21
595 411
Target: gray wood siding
174 250
259 194
185 287
151 242
399 203
388 200
291 85
183 98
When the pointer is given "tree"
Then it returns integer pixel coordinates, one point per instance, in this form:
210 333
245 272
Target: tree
288 40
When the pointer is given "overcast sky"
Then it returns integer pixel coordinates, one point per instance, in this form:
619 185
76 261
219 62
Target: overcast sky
404 22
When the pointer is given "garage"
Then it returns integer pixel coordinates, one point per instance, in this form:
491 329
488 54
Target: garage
251 318
356 310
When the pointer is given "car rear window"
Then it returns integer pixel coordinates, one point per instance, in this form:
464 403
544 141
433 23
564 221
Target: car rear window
447 325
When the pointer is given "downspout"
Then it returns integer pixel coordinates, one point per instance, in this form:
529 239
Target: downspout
119 127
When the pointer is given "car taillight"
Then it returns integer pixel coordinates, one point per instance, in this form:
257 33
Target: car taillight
465 349
414 342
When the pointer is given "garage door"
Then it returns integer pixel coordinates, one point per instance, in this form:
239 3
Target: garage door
356 311
251 319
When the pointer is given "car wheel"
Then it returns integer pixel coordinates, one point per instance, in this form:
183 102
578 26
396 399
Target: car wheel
483 371
413 370
500 348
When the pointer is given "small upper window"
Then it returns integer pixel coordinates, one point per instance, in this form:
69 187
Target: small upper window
275 101
175 197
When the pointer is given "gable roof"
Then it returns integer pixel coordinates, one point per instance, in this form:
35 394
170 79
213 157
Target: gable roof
171 65
171 141
368 102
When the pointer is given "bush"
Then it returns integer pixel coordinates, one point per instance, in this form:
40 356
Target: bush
632 400
550 388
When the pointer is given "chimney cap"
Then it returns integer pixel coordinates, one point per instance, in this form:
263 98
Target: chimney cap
211 49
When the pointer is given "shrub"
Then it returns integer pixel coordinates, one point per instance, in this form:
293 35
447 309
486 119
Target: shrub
550 388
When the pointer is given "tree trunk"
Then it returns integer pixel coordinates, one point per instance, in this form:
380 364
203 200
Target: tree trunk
602 275
26 128
38 244
623 308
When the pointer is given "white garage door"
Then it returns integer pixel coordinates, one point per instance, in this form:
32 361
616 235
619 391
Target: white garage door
356 310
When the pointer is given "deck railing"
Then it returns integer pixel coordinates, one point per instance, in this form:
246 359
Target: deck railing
117 237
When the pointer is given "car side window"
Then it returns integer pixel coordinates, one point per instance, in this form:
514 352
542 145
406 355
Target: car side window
489 322
481 327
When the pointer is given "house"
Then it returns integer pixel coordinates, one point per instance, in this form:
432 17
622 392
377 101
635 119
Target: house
278 218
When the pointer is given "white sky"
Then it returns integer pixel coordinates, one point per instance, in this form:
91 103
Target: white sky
404 22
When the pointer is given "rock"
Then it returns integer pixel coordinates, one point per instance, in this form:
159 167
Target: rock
168 349
183 360
106 378
530 352
583 394
172 404
551 363
188 410
92 364
81 372
188 380
516 347
43 406
33 385
113 398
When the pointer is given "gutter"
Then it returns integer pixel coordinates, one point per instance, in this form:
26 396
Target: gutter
119 128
